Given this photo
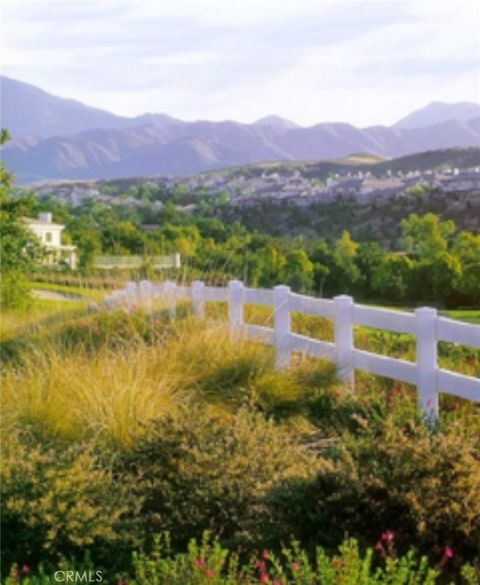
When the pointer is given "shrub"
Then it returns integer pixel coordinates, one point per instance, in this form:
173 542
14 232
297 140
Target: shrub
209 470
209 562
422 484
57 503
14 291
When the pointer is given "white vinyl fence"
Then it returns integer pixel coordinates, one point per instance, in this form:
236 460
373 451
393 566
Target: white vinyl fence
424 324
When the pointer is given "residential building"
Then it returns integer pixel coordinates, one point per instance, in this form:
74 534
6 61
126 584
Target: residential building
50 235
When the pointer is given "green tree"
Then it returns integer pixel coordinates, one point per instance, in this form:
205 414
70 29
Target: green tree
322 258
347 273
266 267
298 270
392 277
370 256
426 236
466 248
19 248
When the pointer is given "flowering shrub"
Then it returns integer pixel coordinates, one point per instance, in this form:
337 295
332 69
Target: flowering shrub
208 563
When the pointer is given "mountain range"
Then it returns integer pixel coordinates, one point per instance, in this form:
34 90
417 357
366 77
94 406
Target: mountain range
57 138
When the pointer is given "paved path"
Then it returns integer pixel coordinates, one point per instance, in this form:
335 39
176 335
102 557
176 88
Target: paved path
50 295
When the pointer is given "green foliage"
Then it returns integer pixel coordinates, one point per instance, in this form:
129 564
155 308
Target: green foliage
392 278
299 270
18 247
207 561
199 470
57 502
421 484
14 290
438 266
185 430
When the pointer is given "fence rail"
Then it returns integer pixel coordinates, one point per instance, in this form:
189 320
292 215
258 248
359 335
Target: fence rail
424 324
132 262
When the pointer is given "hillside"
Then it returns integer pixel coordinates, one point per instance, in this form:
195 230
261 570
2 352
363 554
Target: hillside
438 113
55 138
29 111
448 158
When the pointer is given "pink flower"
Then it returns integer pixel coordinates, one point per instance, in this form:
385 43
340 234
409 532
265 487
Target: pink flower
388 536
448 552
379 546
265 555
261 566
200 562
264 578
25 569
210 573
296 567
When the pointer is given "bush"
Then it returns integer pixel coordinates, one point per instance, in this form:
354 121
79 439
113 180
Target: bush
14 292
57 503
212 471
422 484
209 562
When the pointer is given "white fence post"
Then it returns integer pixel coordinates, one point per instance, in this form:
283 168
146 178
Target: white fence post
344 339
145 294
132 295
427 361
235 306
282 326
198 298
170 295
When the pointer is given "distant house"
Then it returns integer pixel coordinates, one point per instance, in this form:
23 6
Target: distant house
461 181
50 235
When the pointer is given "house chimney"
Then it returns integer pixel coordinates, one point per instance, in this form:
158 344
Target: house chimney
46 217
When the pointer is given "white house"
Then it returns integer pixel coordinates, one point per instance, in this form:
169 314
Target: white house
50 234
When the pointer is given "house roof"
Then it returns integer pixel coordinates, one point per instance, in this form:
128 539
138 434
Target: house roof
50 224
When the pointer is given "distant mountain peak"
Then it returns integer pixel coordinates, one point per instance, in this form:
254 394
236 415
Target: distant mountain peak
56 138
439 113
277 122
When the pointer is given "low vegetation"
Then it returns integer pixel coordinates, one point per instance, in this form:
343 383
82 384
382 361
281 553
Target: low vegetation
129 428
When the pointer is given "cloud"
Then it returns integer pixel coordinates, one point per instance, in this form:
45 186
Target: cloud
224 58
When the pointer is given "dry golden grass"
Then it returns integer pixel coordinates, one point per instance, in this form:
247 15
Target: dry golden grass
111 393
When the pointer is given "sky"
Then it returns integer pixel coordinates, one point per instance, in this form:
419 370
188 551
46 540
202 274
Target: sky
365 62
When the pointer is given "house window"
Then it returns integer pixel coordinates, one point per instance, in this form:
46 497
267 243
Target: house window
48 237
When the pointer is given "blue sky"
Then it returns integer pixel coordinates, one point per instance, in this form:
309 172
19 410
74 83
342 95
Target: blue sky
361 61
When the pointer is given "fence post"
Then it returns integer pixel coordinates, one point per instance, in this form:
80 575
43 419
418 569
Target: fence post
145 294
235 306
132 295
282 326
170 297
344 339
427 361
198 298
